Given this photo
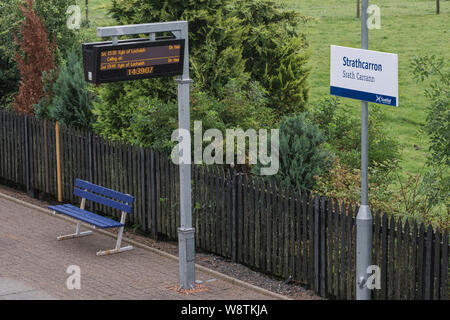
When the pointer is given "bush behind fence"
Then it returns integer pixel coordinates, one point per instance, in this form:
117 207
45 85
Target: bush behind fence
268 227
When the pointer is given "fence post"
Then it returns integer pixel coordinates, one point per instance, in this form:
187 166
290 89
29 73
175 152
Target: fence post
323 252
28 172
90 159
358 10
58 161
444 266
27 155
153 193
143 202
316 244
234 216
47 178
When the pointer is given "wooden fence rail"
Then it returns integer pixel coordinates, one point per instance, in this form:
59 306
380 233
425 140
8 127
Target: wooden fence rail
279 231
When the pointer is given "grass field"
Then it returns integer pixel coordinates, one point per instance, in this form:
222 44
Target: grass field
408 28
98 16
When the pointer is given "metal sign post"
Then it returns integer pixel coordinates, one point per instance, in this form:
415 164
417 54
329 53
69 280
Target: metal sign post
185 232
368 76
364 217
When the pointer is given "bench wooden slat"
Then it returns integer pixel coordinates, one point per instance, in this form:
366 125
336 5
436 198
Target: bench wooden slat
99 199
78 216
85 185
86 216
93 216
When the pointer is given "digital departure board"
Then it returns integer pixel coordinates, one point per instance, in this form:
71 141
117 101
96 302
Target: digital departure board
132 59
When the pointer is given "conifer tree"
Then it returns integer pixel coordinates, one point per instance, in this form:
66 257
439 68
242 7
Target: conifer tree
33 59
68 98
302 153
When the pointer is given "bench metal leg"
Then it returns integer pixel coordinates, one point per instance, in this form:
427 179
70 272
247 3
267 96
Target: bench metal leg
74 235
112 251
77 234
117 249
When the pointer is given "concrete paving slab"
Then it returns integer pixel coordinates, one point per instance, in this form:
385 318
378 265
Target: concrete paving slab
29 295
10 286
11 289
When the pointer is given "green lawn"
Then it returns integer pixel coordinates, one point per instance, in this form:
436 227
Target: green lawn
408 28
98 17
98 12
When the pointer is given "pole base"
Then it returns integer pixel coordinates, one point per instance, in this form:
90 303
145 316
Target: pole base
363 251
186 245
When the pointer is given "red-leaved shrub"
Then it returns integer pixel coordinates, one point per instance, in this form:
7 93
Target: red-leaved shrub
34 57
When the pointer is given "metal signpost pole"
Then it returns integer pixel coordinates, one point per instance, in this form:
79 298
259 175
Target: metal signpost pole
186 240
364 217
186 234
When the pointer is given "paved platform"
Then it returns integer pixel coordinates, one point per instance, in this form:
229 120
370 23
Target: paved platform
33 265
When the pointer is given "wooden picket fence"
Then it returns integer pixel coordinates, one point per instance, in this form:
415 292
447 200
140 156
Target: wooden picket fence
275 230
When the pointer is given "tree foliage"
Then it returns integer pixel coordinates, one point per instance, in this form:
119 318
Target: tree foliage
438 116
302 153
68 97
34 58
150 121
343 131
344 183
248 40
9 75
53 15
434 187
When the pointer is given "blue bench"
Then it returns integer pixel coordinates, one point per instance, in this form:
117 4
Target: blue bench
89 191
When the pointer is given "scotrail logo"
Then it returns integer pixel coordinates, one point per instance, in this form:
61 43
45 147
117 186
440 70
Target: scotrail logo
383 100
